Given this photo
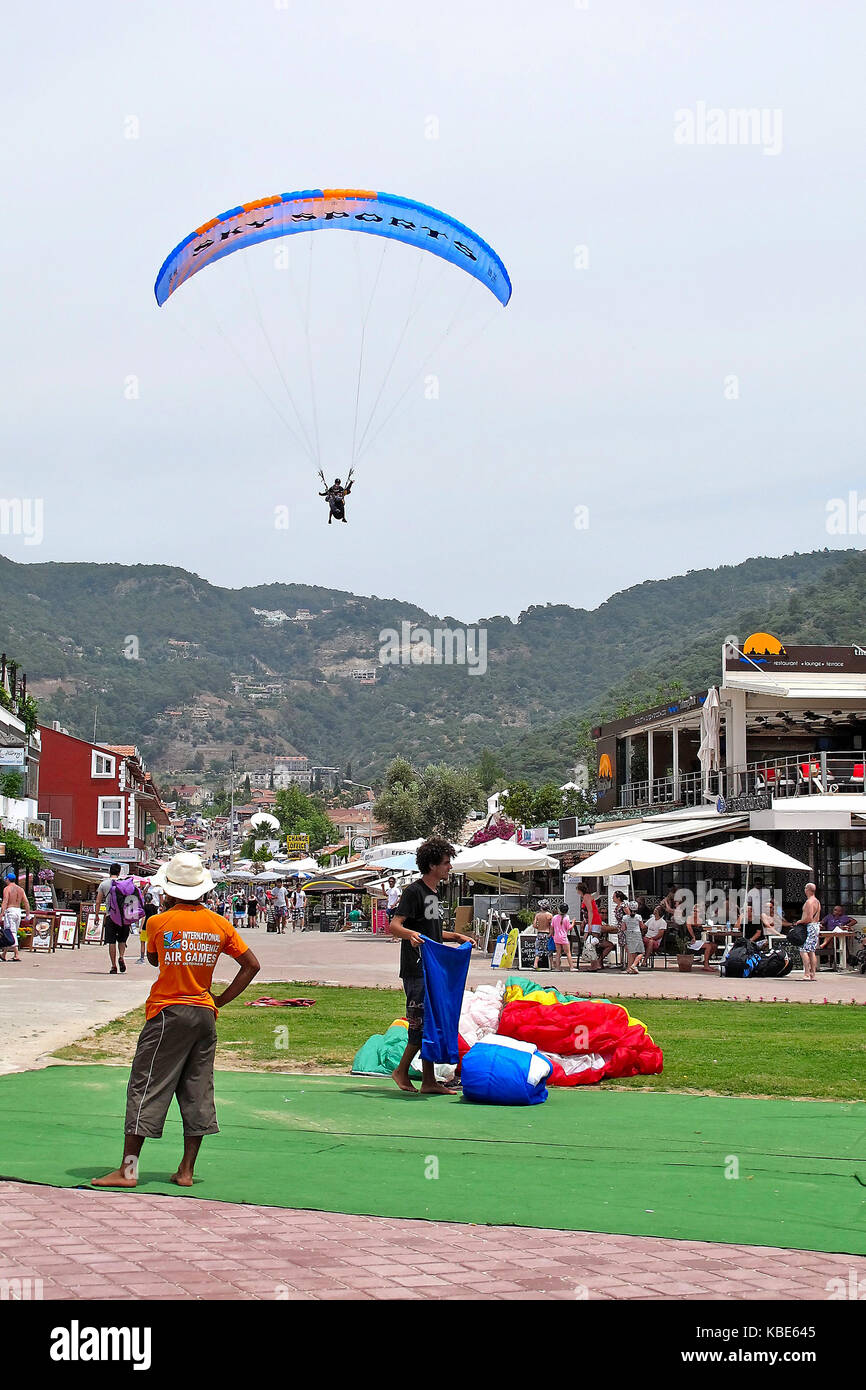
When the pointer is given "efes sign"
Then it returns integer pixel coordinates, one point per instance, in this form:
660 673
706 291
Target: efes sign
605 775
764 650
763 644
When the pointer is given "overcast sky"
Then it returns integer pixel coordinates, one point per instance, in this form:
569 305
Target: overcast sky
693 376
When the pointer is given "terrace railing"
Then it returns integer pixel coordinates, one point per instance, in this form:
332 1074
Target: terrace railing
784 775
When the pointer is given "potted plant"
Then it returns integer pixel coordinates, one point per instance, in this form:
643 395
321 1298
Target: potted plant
25 937
675 944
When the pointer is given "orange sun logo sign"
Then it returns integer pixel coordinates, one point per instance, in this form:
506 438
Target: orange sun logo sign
763 644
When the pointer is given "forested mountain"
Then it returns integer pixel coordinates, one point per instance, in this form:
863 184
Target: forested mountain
141 641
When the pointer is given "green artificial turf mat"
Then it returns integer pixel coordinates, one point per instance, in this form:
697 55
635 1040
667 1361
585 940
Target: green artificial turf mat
587 1159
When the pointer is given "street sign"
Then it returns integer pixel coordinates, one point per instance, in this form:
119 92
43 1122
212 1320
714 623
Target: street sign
359 842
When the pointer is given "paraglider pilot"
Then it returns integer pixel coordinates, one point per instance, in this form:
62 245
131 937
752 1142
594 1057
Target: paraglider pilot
336 497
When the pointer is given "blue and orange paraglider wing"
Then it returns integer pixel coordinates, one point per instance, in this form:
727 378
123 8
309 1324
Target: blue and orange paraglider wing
352 209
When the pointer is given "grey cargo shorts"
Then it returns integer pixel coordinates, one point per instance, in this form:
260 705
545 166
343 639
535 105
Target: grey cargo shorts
174 1057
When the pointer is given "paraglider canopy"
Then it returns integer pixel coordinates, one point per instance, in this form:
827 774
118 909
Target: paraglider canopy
349 209
365 391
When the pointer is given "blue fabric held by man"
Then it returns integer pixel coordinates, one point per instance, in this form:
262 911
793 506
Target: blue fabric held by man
445 970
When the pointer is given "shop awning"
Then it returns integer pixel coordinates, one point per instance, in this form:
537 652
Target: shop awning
656 828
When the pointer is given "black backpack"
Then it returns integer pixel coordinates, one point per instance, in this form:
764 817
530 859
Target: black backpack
776 963
740 961
797 936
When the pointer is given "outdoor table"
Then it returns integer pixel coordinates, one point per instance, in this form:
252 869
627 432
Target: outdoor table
839 938
721 932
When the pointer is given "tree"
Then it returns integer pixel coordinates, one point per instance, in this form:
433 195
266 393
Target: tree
20 853
547 804
247 788
399 773
447 796
489 772
518 803
435 801
300 814
11 784
197 764
399 810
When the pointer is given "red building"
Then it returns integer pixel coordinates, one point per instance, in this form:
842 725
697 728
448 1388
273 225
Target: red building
102 796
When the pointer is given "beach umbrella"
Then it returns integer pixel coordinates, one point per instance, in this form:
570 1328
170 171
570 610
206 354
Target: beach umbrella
748 851
626 855
501 856
708 750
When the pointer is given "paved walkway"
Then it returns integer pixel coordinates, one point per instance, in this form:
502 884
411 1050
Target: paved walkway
83 1244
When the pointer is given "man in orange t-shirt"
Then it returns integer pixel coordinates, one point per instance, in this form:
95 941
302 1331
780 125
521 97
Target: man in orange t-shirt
177 1045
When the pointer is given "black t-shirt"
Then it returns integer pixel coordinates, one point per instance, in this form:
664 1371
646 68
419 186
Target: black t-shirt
421 910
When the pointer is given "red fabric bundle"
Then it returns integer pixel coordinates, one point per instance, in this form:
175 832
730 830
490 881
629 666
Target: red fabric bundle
585 1026
569 1030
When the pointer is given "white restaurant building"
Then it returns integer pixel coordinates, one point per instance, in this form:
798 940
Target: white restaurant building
792 770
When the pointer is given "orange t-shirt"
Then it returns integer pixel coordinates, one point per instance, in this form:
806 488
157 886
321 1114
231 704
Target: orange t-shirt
188 939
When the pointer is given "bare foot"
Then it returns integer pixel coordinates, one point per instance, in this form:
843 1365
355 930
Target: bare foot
402 1081
182 1179
436 1089
116 1179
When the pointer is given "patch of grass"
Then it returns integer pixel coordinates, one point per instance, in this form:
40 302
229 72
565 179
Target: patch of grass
325 1037
750 1049
800 1051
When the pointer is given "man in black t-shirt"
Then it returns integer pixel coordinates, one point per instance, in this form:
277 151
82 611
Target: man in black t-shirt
419 914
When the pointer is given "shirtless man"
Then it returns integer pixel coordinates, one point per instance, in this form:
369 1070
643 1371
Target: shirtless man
14 901
810 920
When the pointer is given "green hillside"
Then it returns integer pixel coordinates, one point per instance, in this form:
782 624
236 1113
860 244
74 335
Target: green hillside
70 625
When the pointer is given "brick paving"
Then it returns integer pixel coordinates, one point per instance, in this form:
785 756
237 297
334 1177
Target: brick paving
84 1244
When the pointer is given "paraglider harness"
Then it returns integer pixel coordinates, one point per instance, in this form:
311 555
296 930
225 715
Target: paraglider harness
336 497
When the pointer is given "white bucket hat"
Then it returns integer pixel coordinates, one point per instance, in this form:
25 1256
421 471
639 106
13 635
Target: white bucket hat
184 877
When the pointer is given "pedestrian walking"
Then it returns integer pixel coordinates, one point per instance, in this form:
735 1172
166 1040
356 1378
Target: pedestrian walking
14 903
561 927
124 909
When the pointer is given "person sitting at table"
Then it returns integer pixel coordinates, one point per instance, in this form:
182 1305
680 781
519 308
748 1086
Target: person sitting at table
654 930
772 919
695 932
835 922
752 930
